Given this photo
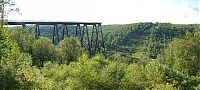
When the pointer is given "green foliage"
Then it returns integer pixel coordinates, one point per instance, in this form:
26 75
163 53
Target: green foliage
8 80
24 39
67 66
135 76
112 75
56 73
164 87
70 49
158 74
8 49
11 61
43 50
183 54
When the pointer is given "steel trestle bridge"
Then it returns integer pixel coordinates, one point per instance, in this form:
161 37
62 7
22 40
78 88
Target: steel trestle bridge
93 42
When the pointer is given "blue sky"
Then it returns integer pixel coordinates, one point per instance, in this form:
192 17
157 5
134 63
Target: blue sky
110 11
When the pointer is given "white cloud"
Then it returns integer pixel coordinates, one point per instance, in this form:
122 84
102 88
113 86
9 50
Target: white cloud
108 11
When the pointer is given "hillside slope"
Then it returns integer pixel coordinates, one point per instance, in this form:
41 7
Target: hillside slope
149 38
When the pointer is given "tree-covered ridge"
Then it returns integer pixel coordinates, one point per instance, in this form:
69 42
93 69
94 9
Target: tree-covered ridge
148 38
29 63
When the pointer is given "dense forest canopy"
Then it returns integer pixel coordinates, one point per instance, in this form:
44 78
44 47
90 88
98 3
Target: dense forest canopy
139 56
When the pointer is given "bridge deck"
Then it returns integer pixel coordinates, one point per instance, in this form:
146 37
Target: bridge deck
49 22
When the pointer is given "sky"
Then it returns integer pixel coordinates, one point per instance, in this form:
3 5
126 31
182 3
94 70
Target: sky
109 11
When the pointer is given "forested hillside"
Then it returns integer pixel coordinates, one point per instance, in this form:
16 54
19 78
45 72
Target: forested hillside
132 37
140 56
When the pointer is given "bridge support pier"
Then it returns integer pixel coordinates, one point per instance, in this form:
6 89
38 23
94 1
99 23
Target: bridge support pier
37 31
